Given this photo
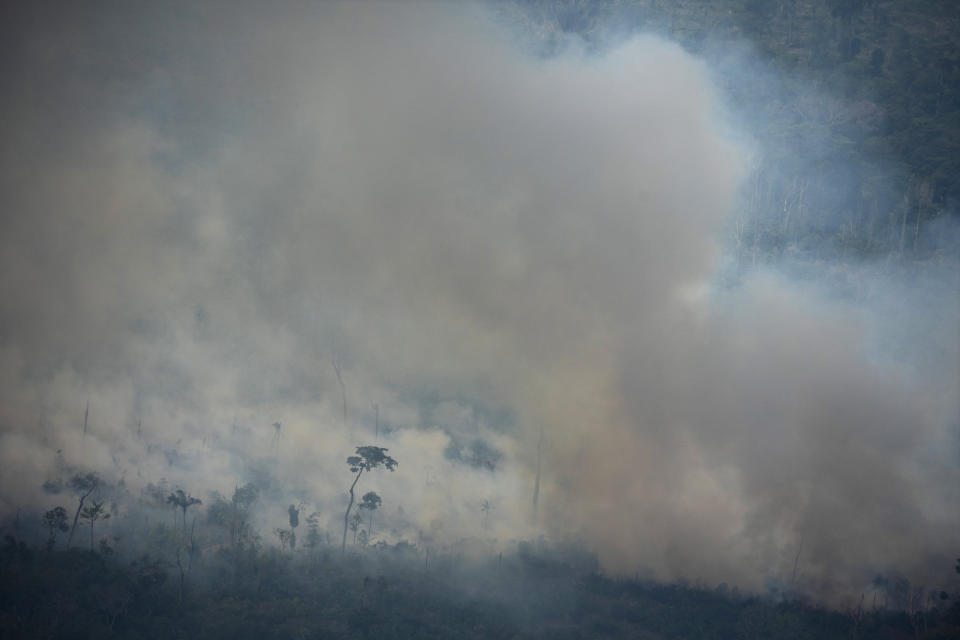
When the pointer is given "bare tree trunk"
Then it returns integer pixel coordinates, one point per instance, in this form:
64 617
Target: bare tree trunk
343 387
796 560
180 567
76 516
346 516
86 412
193 525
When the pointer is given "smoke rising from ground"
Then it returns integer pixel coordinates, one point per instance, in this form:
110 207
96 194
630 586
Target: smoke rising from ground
205 210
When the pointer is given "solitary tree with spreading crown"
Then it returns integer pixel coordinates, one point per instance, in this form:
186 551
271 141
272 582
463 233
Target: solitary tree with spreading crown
367 459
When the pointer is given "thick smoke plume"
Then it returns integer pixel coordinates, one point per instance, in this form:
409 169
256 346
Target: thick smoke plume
216 219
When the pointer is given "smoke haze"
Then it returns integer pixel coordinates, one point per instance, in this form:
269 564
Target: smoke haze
208 211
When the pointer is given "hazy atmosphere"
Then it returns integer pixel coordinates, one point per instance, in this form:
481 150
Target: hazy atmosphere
239 241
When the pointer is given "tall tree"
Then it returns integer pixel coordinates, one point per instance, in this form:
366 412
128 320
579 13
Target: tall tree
83 486
536 482
338 369
234 514
294 513
355 523
368 458
56 520
92 513
370 501
184 501
240 528
313 530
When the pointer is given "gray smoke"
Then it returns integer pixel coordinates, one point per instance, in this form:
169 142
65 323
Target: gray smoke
205 209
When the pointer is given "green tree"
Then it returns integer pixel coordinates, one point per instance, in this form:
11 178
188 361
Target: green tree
92 513
184 501
370 501
294 513
355 525
234 515
83 486
56 520
313 530
367 459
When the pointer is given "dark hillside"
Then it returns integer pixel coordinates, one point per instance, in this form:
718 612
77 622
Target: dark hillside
390 592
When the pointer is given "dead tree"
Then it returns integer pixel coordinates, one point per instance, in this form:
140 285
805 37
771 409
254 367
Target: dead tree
338 369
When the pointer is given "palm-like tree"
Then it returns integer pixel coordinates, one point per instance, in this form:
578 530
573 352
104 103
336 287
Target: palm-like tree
184 501
93 513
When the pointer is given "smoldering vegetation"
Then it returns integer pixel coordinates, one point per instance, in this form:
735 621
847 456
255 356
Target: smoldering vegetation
225 581
631 301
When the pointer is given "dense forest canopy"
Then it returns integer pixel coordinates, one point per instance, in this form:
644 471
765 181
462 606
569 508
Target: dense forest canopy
628 317
856 104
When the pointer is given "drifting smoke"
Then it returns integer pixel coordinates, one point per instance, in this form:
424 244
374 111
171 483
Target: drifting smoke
207 209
